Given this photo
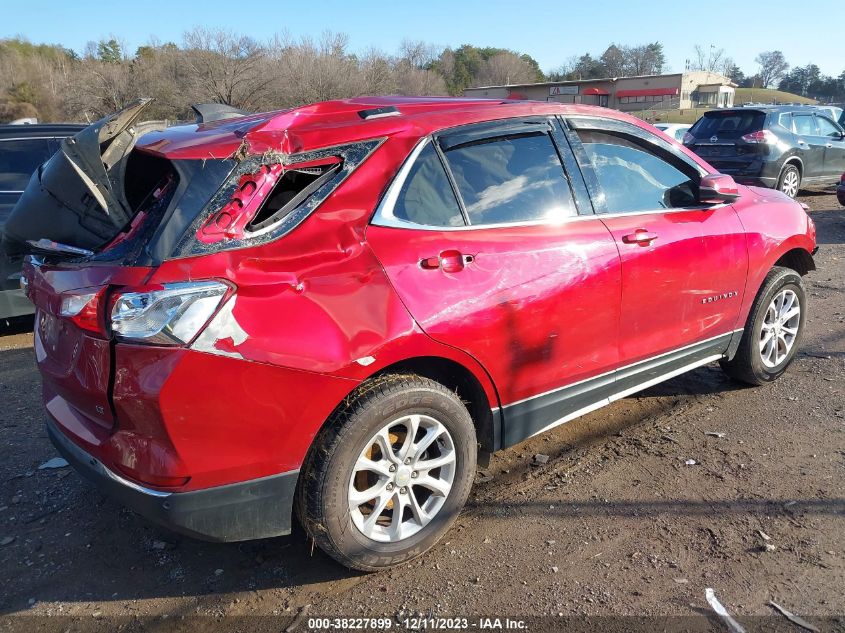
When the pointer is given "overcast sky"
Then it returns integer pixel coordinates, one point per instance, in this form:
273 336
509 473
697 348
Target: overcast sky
549 31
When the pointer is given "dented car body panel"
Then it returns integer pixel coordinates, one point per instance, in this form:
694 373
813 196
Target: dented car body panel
542 321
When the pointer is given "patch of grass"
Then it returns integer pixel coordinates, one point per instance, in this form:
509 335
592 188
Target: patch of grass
767 95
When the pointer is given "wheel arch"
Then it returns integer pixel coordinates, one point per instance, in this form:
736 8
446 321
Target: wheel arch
798 259
792 160
464 383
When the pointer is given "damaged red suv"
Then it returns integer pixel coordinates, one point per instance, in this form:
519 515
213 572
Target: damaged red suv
333 310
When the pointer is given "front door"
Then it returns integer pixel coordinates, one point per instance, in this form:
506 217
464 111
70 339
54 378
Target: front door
494 259
811 144
683 265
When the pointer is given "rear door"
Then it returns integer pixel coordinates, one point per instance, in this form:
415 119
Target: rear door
810 142
493 248
834 153
683 264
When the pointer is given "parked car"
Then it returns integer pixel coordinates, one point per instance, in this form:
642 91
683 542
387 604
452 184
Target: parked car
674 130
22 149
783 147
332 309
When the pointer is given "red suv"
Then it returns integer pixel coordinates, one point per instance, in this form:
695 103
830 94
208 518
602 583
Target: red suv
334 309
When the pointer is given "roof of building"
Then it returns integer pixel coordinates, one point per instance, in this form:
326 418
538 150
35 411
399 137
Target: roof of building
595 80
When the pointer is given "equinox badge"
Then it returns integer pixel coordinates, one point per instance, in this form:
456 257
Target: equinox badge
724 295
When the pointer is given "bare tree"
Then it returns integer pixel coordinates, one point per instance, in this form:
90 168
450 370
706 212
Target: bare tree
773 67
225 67
505 68
711 59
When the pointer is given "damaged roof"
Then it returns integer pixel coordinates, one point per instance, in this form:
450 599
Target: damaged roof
332 122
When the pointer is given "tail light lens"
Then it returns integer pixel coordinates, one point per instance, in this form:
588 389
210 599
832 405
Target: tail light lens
688 138
83 309
166 314
842 180
765 137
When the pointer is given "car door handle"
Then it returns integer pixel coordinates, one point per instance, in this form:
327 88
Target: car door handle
829 145
640 236
449 261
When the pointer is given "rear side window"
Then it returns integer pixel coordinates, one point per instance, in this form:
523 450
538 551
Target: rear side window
511 179
426 196
19 158
805 124
633 178
732 124
785 120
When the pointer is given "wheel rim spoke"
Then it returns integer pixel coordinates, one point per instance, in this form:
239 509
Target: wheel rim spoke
780 327
437 486
395 495
436 462
360 497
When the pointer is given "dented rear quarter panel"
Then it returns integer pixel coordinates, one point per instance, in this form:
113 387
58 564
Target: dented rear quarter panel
313 313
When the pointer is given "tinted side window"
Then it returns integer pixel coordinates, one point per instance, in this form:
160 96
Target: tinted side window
633 178
805 124
18 159
426 196
511 179
826 127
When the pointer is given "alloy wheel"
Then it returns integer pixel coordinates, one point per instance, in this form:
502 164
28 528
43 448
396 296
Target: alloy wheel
402 478
790 183
780 327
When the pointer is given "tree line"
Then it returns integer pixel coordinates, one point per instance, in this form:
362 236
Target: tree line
54 83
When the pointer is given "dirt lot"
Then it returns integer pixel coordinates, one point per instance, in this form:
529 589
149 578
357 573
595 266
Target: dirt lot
615 523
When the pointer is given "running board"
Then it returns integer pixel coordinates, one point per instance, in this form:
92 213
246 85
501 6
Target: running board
532 416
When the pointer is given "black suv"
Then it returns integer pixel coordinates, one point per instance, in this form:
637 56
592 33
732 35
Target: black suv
22 149
783 147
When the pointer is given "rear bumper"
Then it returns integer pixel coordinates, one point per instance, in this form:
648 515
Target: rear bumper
757 173
259 508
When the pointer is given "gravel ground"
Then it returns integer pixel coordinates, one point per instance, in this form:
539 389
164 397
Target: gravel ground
614 524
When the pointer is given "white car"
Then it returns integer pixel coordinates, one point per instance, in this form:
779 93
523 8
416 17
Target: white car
675 130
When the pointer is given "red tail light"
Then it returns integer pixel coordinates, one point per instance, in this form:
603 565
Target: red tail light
84 309
842 180
765 137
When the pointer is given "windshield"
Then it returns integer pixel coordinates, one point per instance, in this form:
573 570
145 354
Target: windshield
727 125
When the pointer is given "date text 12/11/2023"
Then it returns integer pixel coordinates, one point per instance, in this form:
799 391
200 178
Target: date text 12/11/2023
420 623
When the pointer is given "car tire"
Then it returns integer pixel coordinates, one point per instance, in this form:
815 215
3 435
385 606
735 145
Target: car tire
770 339
372 428
790 180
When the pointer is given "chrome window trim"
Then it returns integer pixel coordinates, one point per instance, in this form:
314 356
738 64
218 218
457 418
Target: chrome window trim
384 216
2 191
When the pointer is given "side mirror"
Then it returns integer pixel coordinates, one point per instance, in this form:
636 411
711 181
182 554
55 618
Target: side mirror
717 188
